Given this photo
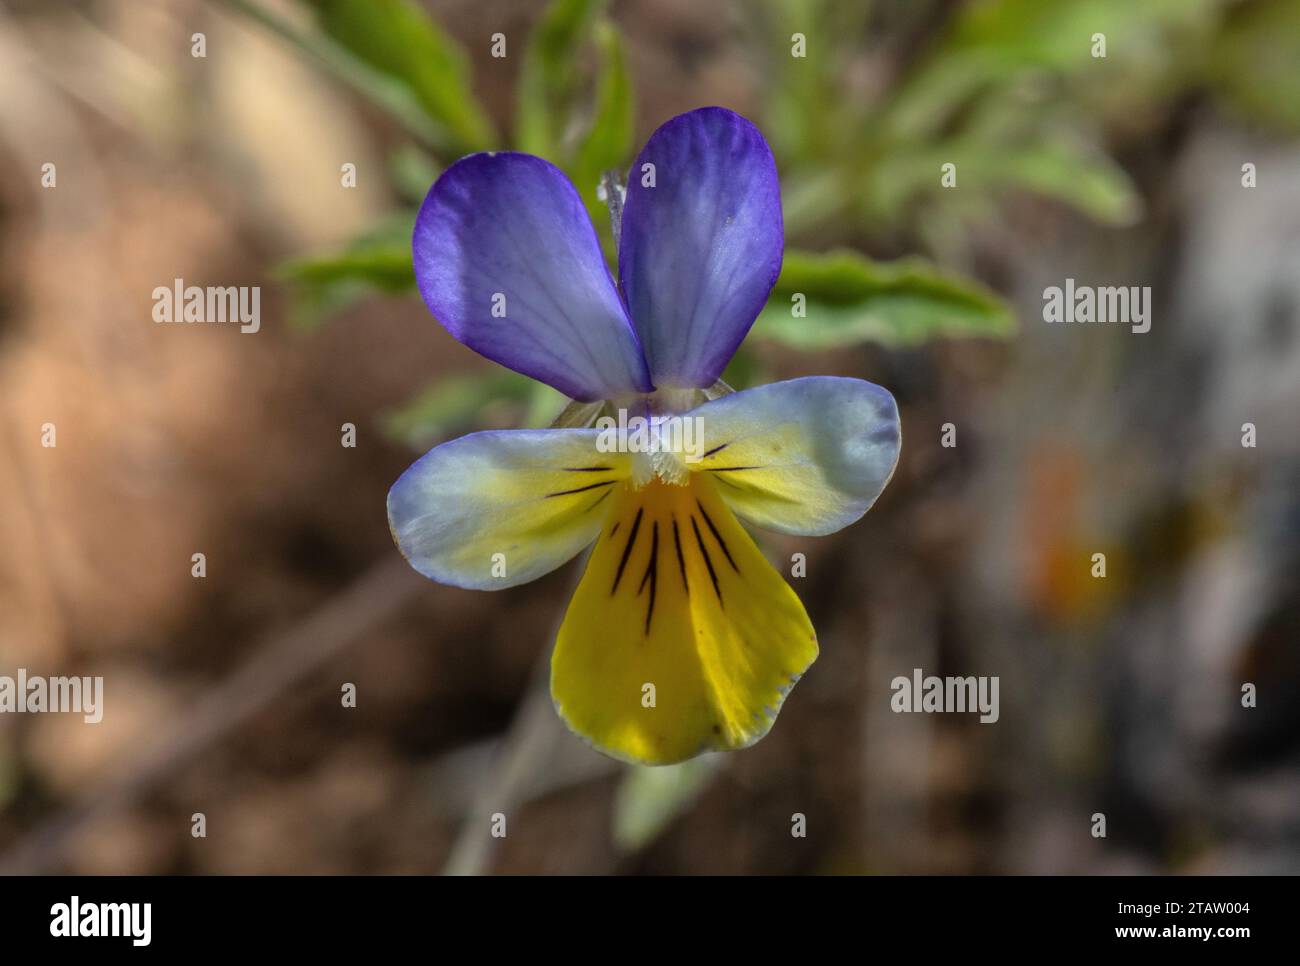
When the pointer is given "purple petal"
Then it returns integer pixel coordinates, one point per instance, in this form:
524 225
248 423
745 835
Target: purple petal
701 249
508 233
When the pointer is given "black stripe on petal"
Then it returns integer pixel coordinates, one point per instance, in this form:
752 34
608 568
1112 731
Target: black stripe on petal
580 489
717 536
627 550
681 560
699 542
599 500
651 574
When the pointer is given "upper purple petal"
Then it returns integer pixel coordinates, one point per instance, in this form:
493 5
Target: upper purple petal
509 230
701 249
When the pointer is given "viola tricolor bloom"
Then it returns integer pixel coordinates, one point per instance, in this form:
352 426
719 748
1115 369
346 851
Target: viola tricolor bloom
676 601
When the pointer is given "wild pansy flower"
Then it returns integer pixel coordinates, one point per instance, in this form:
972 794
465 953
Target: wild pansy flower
681 638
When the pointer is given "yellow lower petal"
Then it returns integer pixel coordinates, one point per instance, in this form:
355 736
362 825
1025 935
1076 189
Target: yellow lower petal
681 638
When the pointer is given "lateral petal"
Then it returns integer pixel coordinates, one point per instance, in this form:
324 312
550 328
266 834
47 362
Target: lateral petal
496 509
806 456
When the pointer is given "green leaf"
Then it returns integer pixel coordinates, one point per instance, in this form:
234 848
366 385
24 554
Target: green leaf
399 39
1088 181
549 77
609 140
649 798
383 267
851 299
1059 35
608 145
464 403
325 284
1066 170
996 43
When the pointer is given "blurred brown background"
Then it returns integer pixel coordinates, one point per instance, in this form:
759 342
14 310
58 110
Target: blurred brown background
222 694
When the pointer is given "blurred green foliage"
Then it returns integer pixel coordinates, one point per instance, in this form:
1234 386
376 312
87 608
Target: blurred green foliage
1010 93
1005 91
849 299
398 39
379 261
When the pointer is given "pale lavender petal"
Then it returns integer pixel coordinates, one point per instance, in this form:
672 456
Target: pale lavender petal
806 456
500 508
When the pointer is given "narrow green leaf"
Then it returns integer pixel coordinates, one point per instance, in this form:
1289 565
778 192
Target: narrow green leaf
990 45
1059 34
549 77
608 144
1067 170
399 39
1086 180
384 267
609 140
850 299
325 284
378 87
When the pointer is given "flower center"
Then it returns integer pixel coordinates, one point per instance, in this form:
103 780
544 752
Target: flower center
656 429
